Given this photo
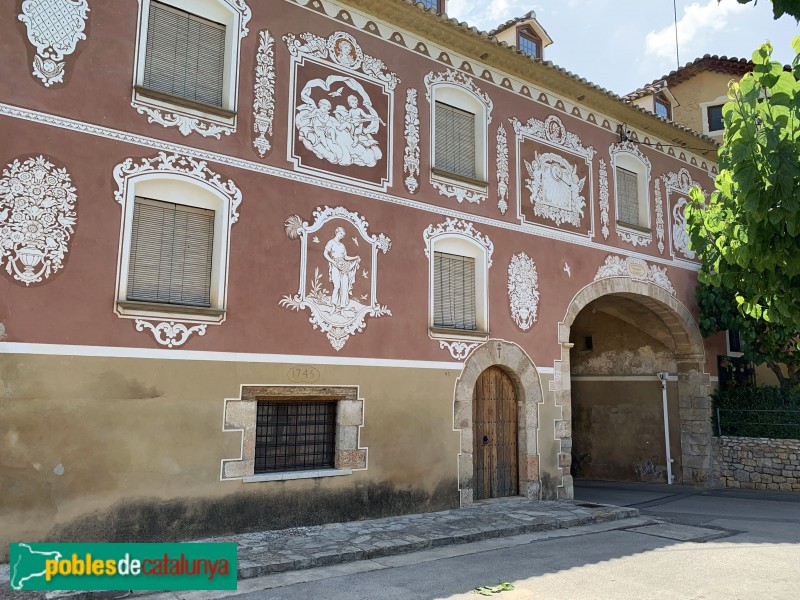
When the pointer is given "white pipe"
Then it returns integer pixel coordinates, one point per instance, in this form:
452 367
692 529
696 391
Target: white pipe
663 377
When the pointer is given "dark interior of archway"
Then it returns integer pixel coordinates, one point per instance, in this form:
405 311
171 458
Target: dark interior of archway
619 348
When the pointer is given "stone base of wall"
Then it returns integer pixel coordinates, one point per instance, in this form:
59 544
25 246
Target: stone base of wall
757 463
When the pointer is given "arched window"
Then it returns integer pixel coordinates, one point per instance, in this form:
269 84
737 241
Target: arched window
631 185
459 261
460 117
174 241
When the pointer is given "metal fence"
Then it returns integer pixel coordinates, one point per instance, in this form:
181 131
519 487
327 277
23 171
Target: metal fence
763 423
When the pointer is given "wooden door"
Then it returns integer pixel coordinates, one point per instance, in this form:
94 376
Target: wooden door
494 418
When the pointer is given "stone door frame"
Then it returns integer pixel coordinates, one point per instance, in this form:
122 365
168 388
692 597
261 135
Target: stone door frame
515 362
694 403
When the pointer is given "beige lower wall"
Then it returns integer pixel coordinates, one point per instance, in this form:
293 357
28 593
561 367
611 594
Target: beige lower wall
125 449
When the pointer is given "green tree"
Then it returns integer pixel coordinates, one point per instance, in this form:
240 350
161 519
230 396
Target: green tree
780 7
748 233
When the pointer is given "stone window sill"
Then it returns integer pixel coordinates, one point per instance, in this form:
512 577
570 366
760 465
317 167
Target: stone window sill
634 227
454 178
202 107
286 476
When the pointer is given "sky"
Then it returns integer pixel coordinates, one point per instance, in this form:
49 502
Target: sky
623 44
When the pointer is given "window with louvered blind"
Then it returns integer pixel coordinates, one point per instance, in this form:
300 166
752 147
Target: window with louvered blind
627 197
185 55
455 140
454 291
171 253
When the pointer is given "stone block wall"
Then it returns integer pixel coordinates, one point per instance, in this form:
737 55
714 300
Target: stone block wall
757 463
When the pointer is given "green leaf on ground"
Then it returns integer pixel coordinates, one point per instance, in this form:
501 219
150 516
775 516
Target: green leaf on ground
487 590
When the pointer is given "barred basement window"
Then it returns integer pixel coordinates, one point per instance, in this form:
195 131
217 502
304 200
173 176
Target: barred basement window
454 292
455 141
627 197
295 436
171 253
185 55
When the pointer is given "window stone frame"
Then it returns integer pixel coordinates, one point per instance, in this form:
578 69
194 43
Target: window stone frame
239 415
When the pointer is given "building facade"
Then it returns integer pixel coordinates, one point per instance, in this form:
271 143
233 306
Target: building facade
297 261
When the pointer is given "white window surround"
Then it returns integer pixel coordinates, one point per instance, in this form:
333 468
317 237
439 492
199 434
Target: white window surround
186 189
187 116
458 90
704 114
627 156
461 240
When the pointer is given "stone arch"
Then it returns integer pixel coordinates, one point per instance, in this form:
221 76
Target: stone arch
694 403
520 368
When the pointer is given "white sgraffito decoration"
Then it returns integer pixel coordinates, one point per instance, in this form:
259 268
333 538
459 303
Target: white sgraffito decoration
679 184
336 117
170 333
555 189
553 182
264 92
341 291
54 27
458 227
635 268
188 122
523 290
659 215
165 163
411 157
502 169
458 350
37 218
461 194
603 178
459 79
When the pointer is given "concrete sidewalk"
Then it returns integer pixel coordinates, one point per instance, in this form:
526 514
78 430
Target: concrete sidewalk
267 552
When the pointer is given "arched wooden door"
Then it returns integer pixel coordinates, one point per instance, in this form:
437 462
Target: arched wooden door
494 418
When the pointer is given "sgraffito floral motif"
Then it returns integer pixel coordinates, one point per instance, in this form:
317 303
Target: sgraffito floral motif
264 92
459 193
502 169
659 215
523 290
635 268
54 27
555 189
338 278
37 218
458 350
170 333
459 79
411 158
603 174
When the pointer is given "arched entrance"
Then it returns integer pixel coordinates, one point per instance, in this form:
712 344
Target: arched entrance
517 375
641 329
494 421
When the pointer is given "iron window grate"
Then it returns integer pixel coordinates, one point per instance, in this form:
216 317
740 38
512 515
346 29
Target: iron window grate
295 436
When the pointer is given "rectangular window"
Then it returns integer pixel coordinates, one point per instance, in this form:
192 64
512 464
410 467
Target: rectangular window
295 436
663 108
715 120
627 197
171 253
434 4
454 291
528 45
185 55
455 140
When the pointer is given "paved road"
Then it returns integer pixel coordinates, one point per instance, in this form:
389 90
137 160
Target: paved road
687 544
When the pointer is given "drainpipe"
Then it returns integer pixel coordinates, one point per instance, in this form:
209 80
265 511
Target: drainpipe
663 377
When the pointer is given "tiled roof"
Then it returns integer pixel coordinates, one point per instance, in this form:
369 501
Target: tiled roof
511 22
712 63
466 27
